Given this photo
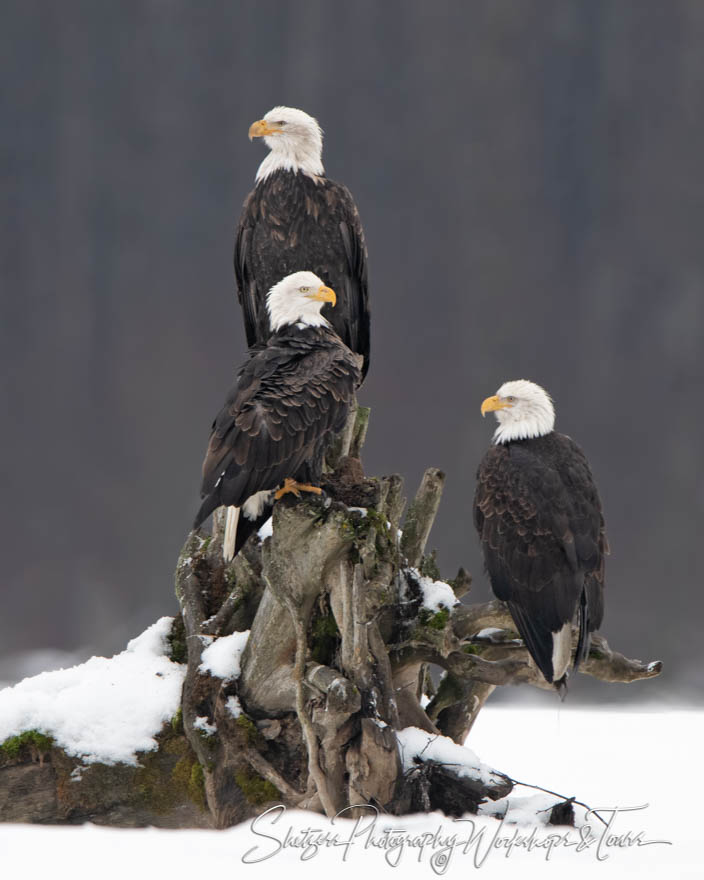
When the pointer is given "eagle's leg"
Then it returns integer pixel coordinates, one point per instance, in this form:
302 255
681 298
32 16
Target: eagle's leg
291 485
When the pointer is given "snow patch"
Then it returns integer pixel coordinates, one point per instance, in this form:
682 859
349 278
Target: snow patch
436 594
533 809
488 632
415 743
267 530
201 723
105 710
233 706
222 656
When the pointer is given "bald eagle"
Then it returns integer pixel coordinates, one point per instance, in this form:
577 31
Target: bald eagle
290 397
541 527
296 219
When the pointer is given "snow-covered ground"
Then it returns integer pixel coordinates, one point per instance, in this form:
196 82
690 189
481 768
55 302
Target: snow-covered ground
645 765
607 759
106 709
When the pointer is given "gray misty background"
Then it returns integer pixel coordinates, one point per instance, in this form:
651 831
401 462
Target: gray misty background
530 180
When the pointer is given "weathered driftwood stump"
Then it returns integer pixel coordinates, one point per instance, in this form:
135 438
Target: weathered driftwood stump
341 635
345 618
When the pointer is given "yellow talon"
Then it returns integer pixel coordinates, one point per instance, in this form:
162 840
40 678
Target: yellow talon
291 485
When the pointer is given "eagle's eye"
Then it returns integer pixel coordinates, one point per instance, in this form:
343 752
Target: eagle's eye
281 122
304 289
510 398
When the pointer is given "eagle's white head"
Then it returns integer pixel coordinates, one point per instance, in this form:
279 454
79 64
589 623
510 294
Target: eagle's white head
523 410
298 299
295 140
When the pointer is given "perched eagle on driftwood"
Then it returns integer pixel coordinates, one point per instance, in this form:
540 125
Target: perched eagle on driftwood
540 521
296 219
289 399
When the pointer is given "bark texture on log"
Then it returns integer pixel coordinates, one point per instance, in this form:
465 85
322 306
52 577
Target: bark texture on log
164 790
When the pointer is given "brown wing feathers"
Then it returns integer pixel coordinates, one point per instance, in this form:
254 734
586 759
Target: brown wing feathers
289 399
540 522
291 222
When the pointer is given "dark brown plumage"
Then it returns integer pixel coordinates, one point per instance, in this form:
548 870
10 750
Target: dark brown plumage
291 222
540 521
289 399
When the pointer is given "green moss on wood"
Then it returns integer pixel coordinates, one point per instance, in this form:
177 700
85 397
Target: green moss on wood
325 639
176 745
181 772
257 791
28 744
159 793
434 620
177 721
196 785
450 690
358 525
375 518
248 728
429 566
439 619
176 641
164 785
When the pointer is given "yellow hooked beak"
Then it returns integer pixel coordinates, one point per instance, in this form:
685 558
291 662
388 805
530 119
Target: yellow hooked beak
260 128
324 294
494 403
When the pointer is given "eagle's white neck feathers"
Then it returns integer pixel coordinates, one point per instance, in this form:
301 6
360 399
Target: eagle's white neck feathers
297 147
530 413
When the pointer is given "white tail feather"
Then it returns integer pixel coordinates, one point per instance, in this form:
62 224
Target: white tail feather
561 650
228 543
